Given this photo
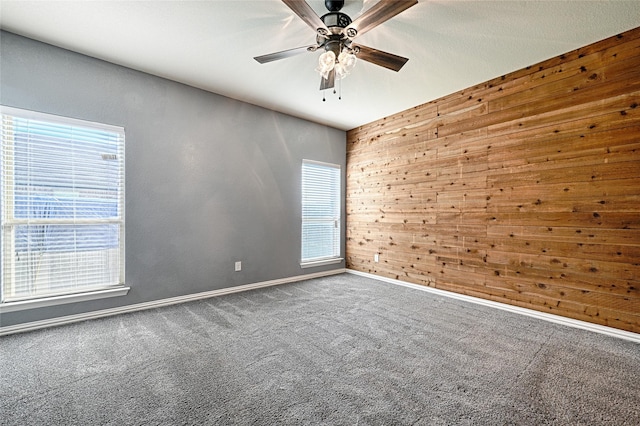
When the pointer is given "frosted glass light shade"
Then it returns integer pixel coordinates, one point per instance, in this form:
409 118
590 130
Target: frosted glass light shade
347 59
346 62
326 63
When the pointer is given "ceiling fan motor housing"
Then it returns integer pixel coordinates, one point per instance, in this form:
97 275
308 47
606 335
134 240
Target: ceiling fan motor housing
336 21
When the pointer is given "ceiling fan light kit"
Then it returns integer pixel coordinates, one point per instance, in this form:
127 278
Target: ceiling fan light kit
335 32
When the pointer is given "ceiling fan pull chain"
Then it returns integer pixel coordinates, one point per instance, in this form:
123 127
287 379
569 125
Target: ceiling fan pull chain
323 97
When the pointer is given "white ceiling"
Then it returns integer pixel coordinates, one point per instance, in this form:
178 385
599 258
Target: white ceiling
451 45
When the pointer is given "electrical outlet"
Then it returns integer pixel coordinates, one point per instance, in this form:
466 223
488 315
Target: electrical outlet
238 266
376 257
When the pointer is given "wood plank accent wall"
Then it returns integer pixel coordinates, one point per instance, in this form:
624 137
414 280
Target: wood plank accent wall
523 190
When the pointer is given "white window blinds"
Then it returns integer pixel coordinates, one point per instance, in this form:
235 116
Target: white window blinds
320 211
62 205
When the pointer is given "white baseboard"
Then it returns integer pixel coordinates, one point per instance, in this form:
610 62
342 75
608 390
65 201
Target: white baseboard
610 331
35 325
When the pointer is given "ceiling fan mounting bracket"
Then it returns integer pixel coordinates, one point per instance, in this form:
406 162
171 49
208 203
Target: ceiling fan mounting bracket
333 5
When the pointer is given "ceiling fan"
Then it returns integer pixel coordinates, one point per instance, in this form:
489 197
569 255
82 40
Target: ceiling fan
335 32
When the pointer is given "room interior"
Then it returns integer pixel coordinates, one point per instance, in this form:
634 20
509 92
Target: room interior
467 217
498 166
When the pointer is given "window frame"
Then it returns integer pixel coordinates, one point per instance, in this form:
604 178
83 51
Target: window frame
335 257
10 219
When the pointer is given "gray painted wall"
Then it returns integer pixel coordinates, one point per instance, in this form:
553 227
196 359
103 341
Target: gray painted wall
209 180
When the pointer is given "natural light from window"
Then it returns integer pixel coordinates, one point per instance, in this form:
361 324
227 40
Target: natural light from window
62 206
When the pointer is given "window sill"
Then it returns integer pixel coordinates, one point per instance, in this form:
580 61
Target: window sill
315 263
60 300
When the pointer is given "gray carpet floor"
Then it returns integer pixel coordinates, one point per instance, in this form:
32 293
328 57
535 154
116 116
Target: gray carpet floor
340 350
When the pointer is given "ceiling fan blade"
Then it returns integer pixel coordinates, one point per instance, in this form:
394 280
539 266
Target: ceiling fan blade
329 82
306 13
379 13
378 57
284 54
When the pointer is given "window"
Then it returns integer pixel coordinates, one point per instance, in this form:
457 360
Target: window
320 213
62 206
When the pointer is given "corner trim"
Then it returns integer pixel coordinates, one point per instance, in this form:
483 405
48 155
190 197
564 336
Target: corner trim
570 322
35 325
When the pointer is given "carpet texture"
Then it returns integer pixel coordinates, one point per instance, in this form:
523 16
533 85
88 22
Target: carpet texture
340 350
